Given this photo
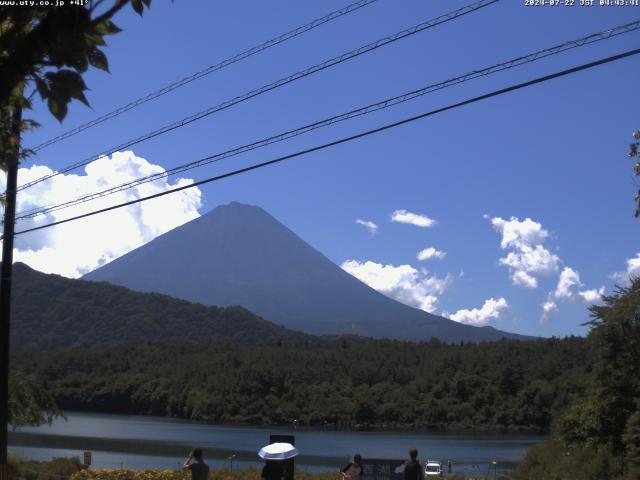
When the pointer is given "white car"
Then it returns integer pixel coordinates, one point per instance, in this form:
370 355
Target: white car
432 469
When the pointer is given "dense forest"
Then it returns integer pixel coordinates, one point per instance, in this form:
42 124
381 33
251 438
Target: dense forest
584 391
69 313
506 384
598 436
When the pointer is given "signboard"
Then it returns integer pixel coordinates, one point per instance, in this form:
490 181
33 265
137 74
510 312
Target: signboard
382 469
87 458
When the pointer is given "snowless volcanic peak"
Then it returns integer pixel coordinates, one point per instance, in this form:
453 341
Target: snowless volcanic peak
240 255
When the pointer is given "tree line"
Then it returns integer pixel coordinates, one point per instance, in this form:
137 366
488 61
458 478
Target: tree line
347 383
584 391
598 435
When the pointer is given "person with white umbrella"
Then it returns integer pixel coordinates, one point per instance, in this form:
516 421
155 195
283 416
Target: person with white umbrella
272 470
274 454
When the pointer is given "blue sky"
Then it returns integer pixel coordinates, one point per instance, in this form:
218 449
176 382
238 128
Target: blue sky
554 153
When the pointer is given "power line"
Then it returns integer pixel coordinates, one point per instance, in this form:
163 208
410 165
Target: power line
278 83
518 61
367 133
210 69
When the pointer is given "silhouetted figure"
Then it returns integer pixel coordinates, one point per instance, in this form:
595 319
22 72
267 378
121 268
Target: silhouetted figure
195 463
353 470
272 470
412 467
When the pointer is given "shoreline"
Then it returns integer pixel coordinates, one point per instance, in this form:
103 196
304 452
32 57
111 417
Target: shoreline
333 427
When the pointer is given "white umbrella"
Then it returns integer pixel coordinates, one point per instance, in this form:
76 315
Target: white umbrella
278 451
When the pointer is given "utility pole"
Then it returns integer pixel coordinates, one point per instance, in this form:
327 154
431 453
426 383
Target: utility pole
5 283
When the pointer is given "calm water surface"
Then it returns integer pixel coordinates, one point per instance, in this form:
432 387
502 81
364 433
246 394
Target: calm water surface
153 442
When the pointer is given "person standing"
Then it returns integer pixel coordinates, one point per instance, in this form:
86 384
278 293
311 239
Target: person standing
195 463
272 470
412 467
353 470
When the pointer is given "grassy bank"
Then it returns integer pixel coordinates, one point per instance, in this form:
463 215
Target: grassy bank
57 469
71 469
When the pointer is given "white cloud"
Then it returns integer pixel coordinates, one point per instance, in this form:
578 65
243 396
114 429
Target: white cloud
491 309
516 233
569 279
548 307
527 262
633 270
593 295
528 258
568 282
404 283
75 248
429 253
372 227
402 216
521 278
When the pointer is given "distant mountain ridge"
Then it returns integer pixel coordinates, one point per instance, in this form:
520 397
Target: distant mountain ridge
51 312
240 255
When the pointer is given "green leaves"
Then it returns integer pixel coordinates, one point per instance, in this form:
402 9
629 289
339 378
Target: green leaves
106 27
43 88
98 59
57 107
137 6
30 403
64 85
54 47
634 152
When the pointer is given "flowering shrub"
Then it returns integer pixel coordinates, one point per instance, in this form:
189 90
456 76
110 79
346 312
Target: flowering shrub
125 474
156 474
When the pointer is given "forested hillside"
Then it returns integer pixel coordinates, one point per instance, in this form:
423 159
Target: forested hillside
598 436
53 312
506 384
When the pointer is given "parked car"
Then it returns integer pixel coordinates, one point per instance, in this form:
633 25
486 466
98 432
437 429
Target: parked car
432 469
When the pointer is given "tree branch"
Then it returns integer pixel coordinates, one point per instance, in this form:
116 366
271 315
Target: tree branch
110 13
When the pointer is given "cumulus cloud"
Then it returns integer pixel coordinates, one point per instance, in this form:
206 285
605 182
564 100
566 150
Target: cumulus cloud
592 296
633 270
516 233
548 307
372 227
429 253
419 220
75 248
416 288
491 309
567 289
520 278
528 261
527 258
569 279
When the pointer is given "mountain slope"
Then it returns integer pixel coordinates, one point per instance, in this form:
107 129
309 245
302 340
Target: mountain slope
240 255
51 312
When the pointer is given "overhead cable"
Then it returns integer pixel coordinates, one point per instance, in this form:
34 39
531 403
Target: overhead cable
210 69
271 86
367 133
515 62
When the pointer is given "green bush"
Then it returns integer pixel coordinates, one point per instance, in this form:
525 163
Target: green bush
19 469
552 461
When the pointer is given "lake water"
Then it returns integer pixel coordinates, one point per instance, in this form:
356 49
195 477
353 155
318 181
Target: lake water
151 442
